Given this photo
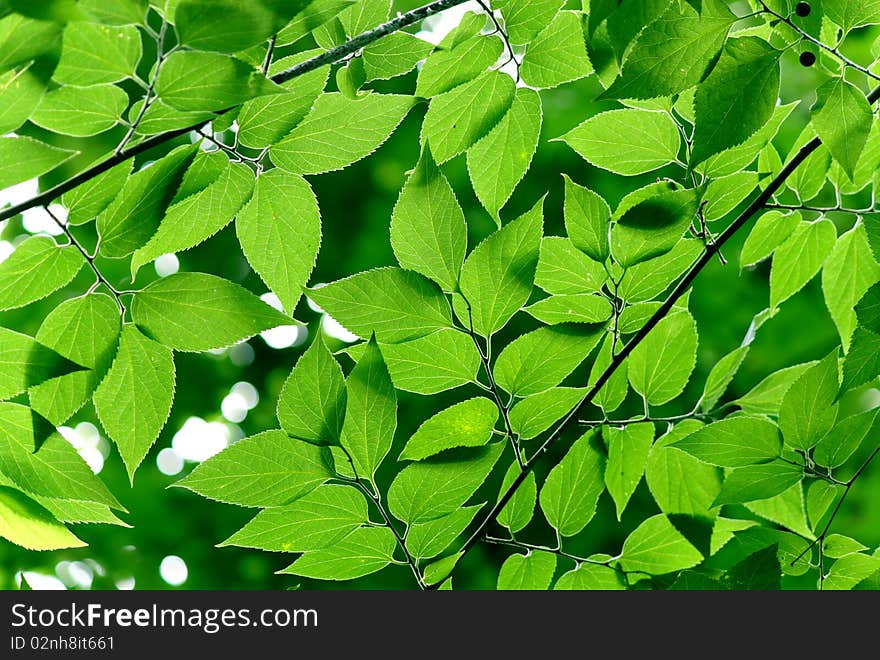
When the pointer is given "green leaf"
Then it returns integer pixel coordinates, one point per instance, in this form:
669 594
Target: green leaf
571 491
627 141
842 118
587 216
201 312
24 522
134 215
121 12
532 572
579 308
312 402
557 54
758 482
850 14
364 551
265 120
848 571
85 330
498 162
725 194
842 441
94 54
339 131
820 496
223 81
737 98
429 539
88 199
648 279
721 376
469 423
563 269
55 470
837 546
446 69
809 179
306 16
20 92
81 111
849 271
786 509
74 511
679 482
223 25
321 518
673 53
541 359
614 391
23 158
518 511
759 571
590 577
280 233
134 399
394 303
769 232
524 19
652 227
535 414
36 268
370 413
23 39
440 361
660 366
734 442
457 119
808 410
428 230
628 449
267 469
656 547
394 55
634 317
215 205
799 258
498 275
441 569
26 362
862 363
438 486
766 397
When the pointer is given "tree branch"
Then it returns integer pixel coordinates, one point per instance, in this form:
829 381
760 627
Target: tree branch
329 57
680 289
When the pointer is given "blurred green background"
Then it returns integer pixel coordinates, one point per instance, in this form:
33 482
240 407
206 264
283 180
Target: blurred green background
171 541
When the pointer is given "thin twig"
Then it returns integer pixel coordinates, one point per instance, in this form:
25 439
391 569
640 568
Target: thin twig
513 543
149 95
493 386
90 260
401 542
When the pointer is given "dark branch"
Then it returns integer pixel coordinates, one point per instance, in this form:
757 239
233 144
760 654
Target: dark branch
681 288
329 57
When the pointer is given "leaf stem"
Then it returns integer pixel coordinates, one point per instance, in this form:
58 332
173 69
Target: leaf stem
90 260
513 543
373 497
504 410
149 95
